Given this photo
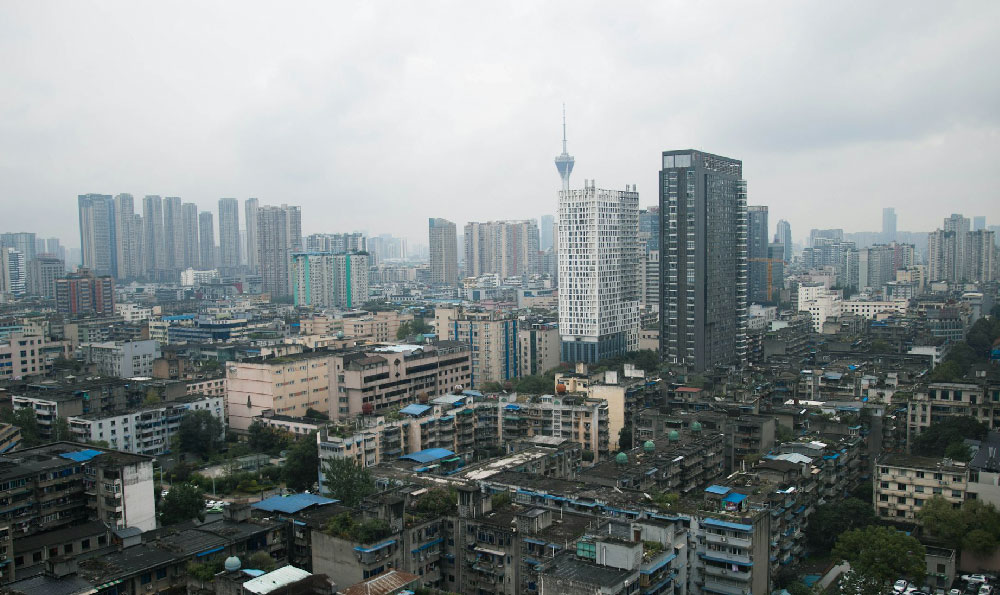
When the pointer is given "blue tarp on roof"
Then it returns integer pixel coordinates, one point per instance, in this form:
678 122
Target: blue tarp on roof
178 317
80 456
513 407
717 489
427 455
727 525
253 572
415 409
292 504
734 498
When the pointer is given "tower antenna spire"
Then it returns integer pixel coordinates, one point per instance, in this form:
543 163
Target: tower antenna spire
564 128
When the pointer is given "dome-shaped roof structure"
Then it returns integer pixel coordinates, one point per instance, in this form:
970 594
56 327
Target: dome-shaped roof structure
621 458
649 446
233 564
674 435
561 388
696 426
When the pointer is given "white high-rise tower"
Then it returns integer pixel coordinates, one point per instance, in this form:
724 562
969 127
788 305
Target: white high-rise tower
564 161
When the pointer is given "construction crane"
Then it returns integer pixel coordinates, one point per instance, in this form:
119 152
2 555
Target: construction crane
770 275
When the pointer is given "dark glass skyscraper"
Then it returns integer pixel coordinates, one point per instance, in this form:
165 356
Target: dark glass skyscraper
757 251
703 264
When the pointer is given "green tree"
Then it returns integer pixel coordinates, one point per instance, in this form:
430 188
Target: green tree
314 414
879 555
946 372
958 451
261 560
646 359
935 440
200 433
60 429
836 517
182 503
535 385
974 526
625 438
264 438
347 481
302 464
783 434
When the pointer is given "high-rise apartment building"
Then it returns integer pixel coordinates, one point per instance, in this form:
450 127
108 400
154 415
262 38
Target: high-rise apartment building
443 248
941 247
312 279
43 272
97 233
979 223
127 238
336 242
784 237
649 229
206 245
279 234
190 237
250 207
85 293
982 254
152 234
598 272
888 225
703 206
757 250
960 226
173 226
229 234
13 272
504 248
350 279
492 337
545 229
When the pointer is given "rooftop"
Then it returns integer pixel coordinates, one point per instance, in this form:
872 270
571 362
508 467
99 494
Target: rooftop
567 566
274 580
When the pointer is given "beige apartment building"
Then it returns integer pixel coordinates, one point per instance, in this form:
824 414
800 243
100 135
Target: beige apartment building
492 337
940 400
903 483
379 327
379 378
287 385
344 383
538 348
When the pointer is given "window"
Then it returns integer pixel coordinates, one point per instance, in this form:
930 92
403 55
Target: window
161 574
146 578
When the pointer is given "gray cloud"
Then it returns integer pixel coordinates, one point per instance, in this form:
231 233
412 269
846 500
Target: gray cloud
378 116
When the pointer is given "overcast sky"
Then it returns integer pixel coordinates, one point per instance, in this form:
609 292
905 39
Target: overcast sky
375 116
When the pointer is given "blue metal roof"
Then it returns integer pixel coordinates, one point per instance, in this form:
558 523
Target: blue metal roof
428 454
375 548
735 498
513 407
717 489
727 525
80 456
292 504
415 409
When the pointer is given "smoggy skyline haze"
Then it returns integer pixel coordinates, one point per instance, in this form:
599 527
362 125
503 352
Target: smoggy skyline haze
377 116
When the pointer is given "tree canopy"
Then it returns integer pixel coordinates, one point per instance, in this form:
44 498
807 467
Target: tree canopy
939 436
302 464
974 527
347 481
836 517
417 326
182 503
880 555
200 433
267 439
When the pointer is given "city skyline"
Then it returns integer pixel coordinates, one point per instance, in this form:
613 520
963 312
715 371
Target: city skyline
314 132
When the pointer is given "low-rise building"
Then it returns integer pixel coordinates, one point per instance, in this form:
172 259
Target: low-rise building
903 483
147 430
128 359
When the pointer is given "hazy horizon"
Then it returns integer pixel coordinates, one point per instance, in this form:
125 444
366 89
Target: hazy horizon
376 117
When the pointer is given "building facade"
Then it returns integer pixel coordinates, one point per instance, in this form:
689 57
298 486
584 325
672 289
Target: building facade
443 246
703 268
598 273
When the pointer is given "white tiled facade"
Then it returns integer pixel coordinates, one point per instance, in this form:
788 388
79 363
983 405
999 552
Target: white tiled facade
598 272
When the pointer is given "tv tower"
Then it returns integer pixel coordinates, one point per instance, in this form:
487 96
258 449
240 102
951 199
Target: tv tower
564 161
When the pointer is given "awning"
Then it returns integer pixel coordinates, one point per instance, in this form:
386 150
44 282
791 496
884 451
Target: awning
724 560
659 565
535 541
487 550
211 551
374 548
427 545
